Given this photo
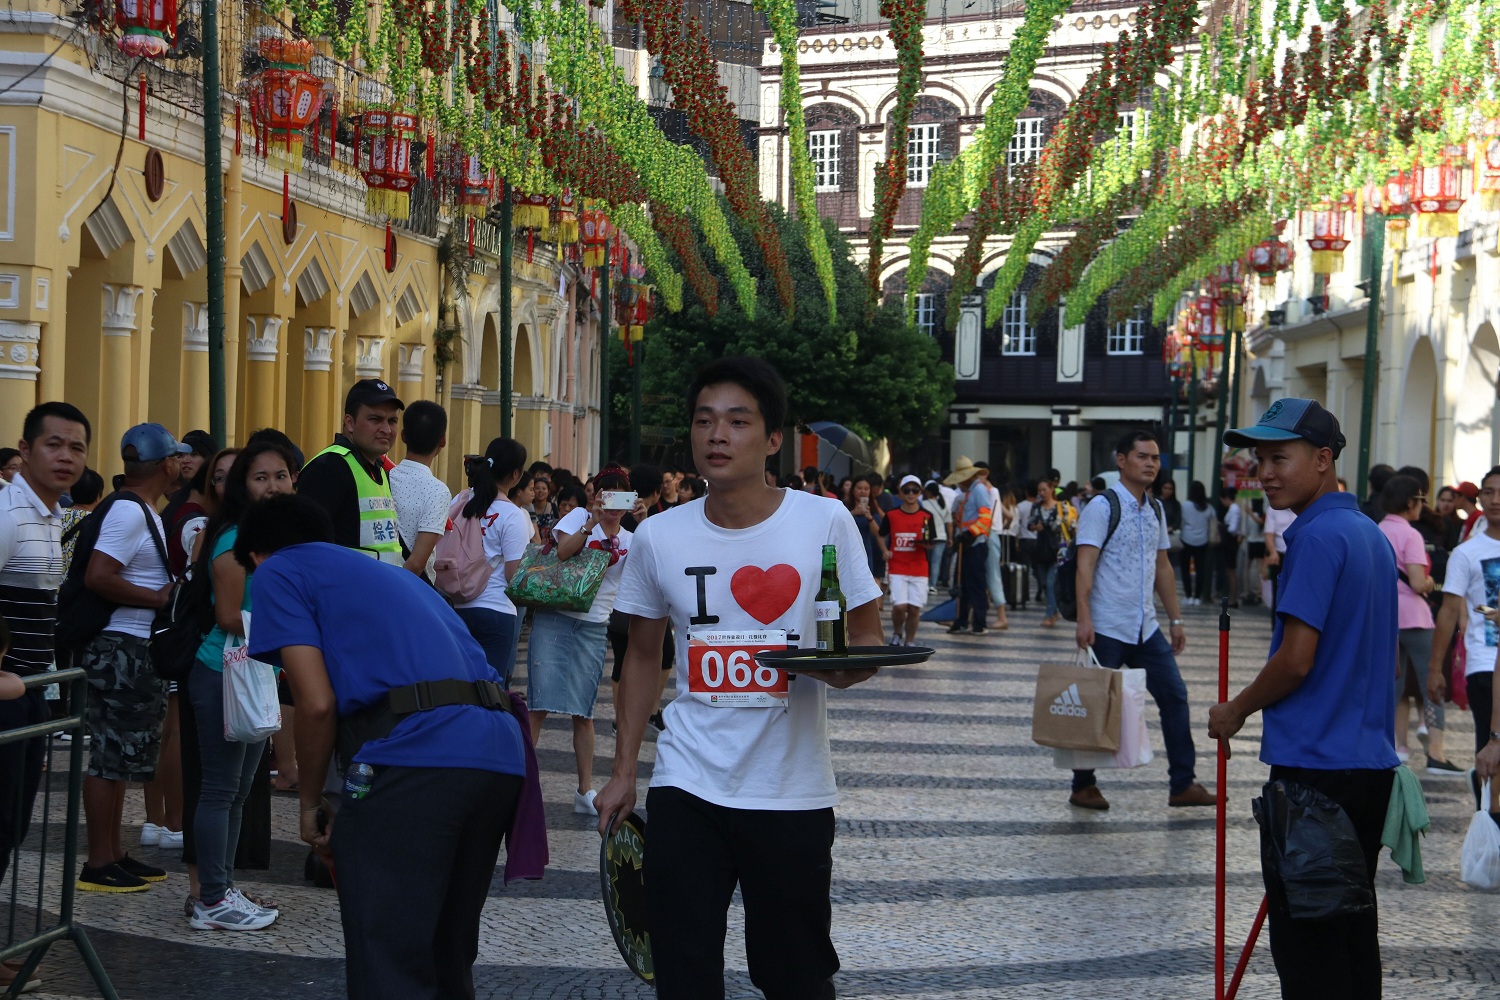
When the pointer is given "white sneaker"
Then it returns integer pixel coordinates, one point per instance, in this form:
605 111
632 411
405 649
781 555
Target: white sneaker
168 838
245 900
151 835
583 803
232 913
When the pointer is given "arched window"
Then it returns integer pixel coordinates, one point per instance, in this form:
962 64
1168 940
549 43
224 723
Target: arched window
932 134
932 300
832 145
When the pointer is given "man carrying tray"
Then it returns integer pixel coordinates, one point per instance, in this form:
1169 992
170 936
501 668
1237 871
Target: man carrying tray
742 791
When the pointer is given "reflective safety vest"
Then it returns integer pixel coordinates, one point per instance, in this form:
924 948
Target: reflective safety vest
377 510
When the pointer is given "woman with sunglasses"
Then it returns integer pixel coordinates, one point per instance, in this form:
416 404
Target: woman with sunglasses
565 654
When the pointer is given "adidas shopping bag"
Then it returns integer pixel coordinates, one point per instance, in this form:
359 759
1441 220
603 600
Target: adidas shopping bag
1077 707
1135 739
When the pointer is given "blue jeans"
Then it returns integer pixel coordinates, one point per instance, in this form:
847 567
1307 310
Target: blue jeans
1048 572
935 563
228 772
1164 682
498 633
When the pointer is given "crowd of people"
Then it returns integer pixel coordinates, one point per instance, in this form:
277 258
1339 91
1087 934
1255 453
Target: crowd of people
383 602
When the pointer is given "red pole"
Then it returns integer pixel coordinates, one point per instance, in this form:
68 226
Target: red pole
1221 825
1239 969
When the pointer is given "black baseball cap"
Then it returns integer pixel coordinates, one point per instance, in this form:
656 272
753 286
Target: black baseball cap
1289 420
371 392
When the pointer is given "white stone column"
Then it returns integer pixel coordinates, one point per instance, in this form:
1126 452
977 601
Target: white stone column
967 350
409 368
317 382
369 357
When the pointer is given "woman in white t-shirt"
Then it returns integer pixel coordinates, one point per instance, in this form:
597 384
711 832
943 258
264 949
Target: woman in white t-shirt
565 654
491 617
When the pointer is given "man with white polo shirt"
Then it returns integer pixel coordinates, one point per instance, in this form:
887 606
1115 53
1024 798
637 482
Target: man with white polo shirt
1122 567
742 792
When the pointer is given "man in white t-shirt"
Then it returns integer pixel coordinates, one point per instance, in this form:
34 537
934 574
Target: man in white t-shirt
1471 592
742 791
127 700
421 498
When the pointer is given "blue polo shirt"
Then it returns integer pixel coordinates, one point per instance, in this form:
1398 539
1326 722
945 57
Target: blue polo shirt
380 627
1339 576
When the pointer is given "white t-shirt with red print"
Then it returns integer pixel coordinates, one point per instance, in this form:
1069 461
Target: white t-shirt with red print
617 547
507 529
715 583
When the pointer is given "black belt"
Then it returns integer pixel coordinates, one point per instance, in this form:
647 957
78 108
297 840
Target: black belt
376 721
424 696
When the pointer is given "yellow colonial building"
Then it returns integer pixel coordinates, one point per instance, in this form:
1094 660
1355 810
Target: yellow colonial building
103 285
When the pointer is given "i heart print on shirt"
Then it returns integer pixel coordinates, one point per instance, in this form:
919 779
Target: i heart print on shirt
766 594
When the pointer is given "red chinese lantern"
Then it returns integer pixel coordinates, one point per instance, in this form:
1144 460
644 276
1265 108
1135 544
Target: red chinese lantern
1327 241
1210 337
563 228
147 27
1487 175
1439 194
284 100
475 186
595 230
1269 258
1392 200
528 211
385 137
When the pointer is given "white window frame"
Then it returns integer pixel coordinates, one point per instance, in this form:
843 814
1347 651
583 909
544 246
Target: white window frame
1017 336
926 312
1128 337
824 147
921 152
1026 142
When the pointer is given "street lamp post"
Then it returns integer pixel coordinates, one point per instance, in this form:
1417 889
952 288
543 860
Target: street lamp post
1375 273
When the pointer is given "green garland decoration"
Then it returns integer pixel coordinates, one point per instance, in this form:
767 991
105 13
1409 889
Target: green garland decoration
906 17
782 17
631 218
955 188
320 19
581 60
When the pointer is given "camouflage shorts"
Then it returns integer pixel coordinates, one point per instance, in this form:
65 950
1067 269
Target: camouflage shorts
127 705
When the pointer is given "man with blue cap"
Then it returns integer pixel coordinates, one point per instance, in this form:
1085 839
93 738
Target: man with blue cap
126 574
1324 693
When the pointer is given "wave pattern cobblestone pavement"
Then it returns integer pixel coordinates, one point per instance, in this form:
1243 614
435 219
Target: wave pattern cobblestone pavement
960 870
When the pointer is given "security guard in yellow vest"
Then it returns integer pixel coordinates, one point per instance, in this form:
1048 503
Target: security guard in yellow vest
348 479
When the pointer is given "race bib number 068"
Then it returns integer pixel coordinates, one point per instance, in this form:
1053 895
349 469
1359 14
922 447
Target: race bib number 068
722 671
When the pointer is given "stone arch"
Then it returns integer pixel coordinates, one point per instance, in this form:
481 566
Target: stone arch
489 352
1474 424
936 283
526 380
1414 431
932 89
845 101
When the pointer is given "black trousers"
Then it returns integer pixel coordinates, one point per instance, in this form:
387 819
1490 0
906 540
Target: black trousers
20 771
975 581
1337 958
413 860
1481 688
783 864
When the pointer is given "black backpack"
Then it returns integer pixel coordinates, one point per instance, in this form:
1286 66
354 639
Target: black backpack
178 629
1065 584
81 613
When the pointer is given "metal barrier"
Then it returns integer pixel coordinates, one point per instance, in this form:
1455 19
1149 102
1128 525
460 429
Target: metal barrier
47 930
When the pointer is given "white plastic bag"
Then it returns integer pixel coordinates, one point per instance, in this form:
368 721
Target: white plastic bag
1481 857
1135 741
252 710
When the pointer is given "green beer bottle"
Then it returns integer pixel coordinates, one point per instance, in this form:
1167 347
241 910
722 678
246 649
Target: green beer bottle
832 610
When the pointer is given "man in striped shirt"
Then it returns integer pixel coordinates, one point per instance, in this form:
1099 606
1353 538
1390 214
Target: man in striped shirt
54 445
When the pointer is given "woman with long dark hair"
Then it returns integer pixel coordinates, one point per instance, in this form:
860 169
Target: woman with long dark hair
491 617
262 470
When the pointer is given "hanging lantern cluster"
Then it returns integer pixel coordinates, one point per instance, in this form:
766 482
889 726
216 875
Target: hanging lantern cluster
1487 165
1393 201
595 230
562 229
147 27
1177 356
473 184
529 211
384 137
1209 336
1328 240
1270 257
1439 194
285 98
